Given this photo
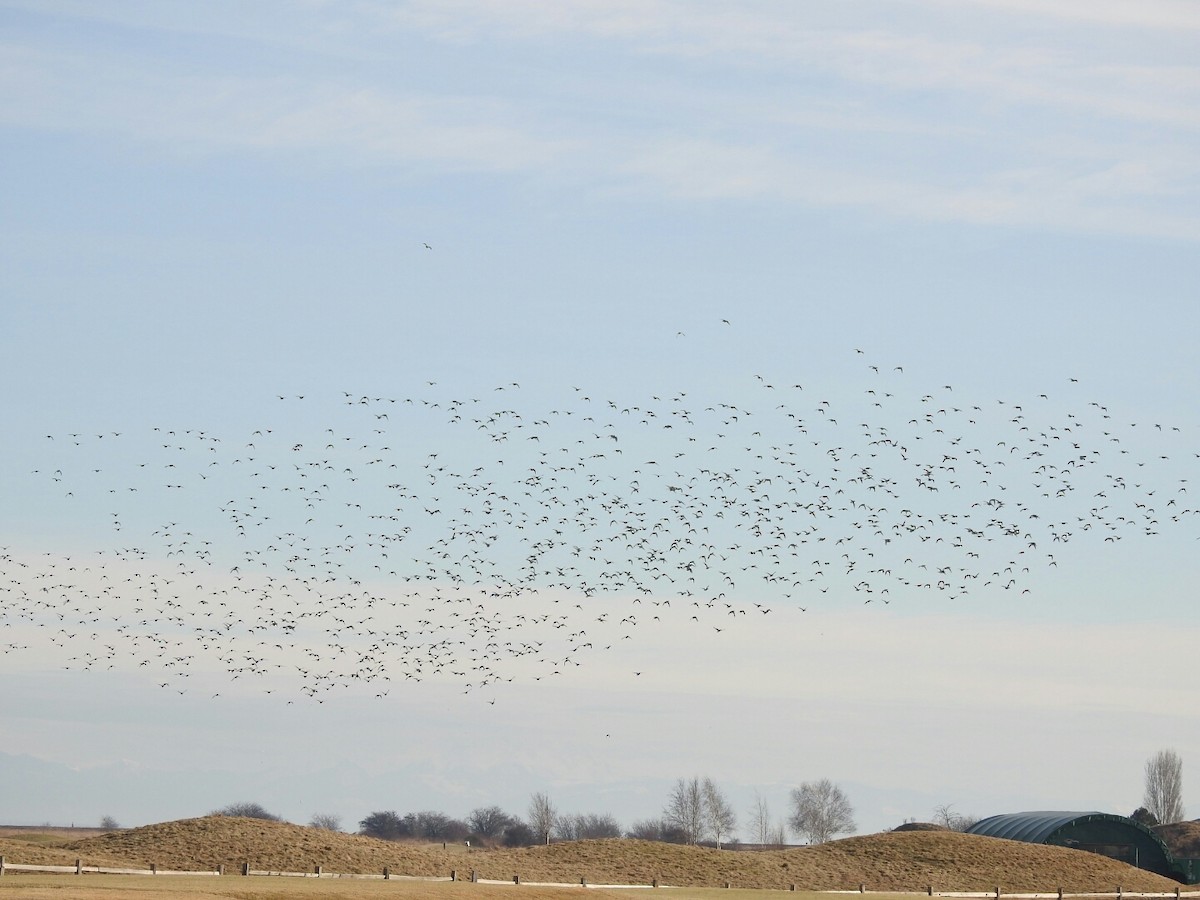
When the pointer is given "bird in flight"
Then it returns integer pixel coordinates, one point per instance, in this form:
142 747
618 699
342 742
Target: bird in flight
432 535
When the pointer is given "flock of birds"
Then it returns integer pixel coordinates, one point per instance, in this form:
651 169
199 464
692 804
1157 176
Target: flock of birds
377 541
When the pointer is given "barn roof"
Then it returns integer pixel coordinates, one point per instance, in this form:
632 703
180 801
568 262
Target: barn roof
1033 827
1078 829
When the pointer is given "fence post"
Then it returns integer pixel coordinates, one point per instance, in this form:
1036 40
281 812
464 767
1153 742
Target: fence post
653 881
245 868
386 874
862 888
516 879
583 881
153 868
474 877
221 869
931 890
1 864
79 867
454 875
997 892
318 872
727 885
1060 893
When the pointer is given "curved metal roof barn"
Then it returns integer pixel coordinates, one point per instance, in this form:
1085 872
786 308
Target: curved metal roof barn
1116 837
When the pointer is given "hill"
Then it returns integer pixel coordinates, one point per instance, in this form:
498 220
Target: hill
1183 838
911 860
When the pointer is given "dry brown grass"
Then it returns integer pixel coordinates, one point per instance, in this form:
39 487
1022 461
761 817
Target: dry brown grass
894 861
883 862
1182 837
105 887
46 834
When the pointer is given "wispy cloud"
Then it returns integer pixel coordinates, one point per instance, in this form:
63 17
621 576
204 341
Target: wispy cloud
1102 197
1152 14
964 115
209 112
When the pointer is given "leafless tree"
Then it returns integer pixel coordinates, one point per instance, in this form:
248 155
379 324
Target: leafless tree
778 836
820 810
685 809
385 825
326 822
719 817
432 825
1164 787
945 816
646 830
108 823
760 820
541 816
656 830
489 821
586 826
518 834
246 811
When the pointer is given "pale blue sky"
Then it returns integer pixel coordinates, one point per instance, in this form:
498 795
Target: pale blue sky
205 207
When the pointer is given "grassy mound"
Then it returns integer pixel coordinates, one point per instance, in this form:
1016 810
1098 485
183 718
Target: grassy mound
1182 837
892 861
212 841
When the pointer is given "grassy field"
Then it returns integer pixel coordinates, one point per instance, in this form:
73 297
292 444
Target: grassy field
47 834
113 887
886 862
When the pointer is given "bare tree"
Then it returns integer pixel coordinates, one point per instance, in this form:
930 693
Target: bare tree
541 816
719 817
326 822
656 830
820 810
385 825
945 816
760 820
685 809
568 826
646 830
246 811
586 826
108 823
489 821
778 836
432 825
1164 787
518 834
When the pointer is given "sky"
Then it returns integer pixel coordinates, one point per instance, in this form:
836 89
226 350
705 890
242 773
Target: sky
421 405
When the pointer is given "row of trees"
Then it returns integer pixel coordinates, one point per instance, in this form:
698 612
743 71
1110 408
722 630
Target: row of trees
696 811
485 823
492 825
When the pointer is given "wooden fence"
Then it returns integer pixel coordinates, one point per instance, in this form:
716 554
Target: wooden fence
318 872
